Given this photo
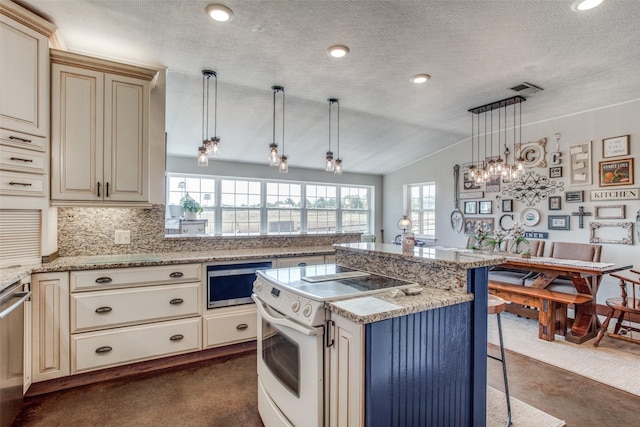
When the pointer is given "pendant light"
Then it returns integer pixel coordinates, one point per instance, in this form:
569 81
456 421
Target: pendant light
281 162
337 169
210 146
329 162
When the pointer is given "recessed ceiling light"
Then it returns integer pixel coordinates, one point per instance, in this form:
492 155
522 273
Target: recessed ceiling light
582 5
219 13
338 51
420 78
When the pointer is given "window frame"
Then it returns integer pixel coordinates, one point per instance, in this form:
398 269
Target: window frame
421 210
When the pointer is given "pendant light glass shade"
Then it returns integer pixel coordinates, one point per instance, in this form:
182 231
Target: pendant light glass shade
338 167
329 160
203 158
337 162
281 162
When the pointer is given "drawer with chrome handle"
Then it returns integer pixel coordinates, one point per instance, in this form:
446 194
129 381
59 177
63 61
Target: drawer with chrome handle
119 307
96 350
134 276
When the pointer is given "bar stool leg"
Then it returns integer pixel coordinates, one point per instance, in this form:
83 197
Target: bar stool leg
504 371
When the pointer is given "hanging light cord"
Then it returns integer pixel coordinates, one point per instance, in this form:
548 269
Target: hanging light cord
203 105
282 121
330 102
338 137
215 107
274 115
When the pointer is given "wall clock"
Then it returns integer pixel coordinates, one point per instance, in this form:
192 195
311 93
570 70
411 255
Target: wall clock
533 153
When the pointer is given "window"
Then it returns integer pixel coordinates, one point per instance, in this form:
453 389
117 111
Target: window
422 208
321 208
252 207
240 202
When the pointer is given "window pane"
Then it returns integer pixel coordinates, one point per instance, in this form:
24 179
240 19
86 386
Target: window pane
240 221
355 221
283 195
422 202
354 198
321 196
283 221
321 221
240 193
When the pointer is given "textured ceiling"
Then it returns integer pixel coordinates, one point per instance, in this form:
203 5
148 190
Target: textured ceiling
474 51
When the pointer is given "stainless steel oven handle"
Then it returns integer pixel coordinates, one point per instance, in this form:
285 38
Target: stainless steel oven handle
24 296
284 321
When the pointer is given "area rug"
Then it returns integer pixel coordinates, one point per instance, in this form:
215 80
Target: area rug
612 363
522 415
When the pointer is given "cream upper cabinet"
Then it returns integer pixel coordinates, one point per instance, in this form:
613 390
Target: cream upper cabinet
99 130
24 71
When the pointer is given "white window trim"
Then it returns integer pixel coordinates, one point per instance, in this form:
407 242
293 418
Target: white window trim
408 209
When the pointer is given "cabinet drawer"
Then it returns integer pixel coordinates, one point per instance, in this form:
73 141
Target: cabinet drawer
300 261
22 140
104 309
96 350
228 327
135 276
21 184
17 159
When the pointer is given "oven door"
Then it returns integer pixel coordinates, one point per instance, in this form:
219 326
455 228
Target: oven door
290 370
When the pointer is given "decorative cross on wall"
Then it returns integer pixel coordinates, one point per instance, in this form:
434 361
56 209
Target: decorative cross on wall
581 214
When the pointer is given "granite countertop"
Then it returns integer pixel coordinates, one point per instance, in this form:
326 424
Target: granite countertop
441 256
382 306
10 274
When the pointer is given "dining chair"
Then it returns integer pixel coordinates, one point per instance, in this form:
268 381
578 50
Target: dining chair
625 307
515 277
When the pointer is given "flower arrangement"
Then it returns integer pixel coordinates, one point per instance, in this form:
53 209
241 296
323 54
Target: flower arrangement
497 238
190 205
480 236
517 233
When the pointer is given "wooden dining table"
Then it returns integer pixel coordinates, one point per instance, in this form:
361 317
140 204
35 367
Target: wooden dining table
585 276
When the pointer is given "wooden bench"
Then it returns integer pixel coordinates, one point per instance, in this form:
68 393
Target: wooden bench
551 305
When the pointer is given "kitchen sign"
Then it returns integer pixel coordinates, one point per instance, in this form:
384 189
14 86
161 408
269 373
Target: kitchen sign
626 194
536 235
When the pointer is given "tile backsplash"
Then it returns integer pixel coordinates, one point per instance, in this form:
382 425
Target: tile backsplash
90 231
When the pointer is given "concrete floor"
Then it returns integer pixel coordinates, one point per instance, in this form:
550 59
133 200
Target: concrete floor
223 393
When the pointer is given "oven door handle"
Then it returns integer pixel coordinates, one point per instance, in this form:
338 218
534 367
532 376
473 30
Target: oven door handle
284 321
23 297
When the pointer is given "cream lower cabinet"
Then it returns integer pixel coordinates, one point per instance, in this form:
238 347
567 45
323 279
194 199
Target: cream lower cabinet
346 396
126 315
50 316
99 130
229 325
301 261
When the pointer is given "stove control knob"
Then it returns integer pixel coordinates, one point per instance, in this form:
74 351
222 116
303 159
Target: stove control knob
257 285
306 310
295 306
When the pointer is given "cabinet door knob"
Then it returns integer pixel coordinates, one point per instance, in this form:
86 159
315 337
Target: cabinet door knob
103 309
176 301
103 280
176 337
104 349
176 274
242 326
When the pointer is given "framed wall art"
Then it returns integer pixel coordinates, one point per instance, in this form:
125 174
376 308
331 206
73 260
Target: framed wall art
610 212
469 183
574 196
611 232
555 203
470 208
616 172
472 195
616 146
558 222
533 153
470 224
580 164
555 172
507 205
485 207
493 185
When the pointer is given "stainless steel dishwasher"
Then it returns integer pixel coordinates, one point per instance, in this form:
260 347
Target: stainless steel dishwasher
12 351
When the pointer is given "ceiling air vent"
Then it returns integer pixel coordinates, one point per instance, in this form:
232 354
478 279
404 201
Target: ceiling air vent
526 89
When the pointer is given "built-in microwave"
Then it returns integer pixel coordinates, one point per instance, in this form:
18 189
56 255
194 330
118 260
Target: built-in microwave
232 284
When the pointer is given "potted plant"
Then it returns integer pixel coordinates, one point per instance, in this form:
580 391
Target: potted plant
517 233
191 208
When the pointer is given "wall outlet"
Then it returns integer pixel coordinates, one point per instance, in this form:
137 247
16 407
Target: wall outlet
122 237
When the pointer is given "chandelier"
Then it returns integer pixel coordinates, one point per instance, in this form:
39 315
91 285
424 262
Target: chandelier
485 164
210 146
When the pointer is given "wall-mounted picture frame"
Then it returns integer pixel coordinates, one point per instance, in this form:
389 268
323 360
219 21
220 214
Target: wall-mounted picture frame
580 164
470 208
611 232
610 212
616 172
470 224
555 172
574 196
472 195
507 205
615 146
469 183
493 185
558 222
533 153
555 203
485 207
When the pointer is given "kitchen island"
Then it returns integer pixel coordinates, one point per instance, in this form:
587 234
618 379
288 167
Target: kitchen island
412 360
